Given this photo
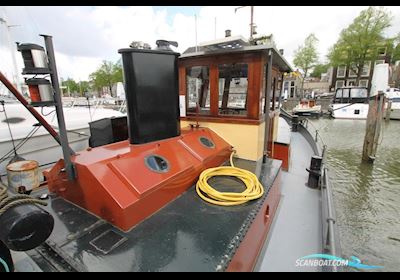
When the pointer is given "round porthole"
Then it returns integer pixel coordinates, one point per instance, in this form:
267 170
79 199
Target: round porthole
207 142
157 163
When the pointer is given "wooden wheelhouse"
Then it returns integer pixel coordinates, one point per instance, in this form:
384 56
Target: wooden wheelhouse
235 92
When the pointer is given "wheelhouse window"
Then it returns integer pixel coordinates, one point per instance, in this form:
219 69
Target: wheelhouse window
232 89
339 95
380 61
198 89
341 71
359 93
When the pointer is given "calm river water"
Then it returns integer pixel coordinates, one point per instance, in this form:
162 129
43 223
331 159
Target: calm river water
367 196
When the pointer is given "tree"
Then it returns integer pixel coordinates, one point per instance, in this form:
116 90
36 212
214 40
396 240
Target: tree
106 75
361 40
319 69
76 87
306 56
396 53
71 85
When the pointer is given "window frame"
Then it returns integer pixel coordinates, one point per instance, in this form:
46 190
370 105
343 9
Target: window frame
255 61
369 70
344 72
187 97
247 93
350 80
363 80
336 84
351 75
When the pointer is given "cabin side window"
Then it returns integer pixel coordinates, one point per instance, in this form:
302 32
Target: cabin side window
359 93
232 89
338 96
198 89
346 95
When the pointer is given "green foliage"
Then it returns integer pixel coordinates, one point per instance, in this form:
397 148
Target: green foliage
396 53
306 55
319 69
106 75
361 40
74 87
71 85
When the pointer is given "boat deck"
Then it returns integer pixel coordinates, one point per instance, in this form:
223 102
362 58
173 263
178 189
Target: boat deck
297 228
188 234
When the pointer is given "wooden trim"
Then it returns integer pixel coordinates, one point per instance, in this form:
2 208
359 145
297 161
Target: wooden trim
214 90
222 119
182 81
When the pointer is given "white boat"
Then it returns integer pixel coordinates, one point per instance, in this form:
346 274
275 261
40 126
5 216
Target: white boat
395 114
41 146
307 108
350 103
393 94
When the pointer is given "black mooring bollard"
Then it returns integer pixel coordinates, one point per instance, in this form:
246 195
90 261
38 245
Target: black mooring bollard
295 123
6 262
314 172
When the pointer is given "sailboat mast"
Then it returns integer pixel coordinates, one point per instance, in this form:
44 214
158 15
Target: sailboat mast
12 48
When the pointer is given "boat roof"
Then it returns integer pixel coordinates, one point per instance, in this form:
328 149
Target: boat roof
204 50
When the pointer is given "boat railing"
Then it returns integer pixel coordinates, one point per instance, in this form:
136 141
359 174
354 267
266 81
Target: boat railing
330 235
315 132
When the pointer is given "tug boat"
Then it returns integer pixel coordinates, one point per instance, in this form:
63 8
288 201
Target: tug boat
138 204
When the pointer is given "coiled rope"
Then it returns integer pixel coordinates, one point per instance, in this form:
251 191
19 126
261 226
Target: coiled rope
254 188
7 203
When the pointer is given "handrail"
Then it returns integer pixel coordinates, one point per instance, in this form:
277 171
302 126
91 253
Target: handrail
317 138
331 242
330 236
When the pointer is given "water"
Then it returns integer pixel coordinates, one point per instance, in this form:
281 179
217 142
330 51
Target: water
367 196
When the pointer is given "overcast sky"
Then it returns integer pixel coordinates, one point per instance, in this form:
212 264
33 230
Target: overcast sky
84 36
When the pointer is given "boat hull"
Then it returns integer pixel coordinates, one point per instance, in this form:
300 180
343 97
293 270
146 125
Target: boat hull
350 111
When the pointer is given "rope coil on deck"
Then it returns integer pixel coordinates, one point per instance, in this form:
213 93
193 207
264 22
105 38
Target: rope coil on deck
254 188
7 203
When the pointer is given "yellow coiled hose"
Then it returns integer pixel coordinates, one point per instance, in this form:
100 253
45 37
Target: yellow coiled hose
254 189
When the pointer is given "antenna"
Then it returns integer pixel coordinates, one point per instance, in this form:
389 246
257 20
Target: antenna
215 28
251 20
195 29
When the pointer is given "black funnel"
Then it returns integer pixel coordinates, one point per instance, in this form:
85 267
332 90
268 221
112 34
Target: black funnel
152 94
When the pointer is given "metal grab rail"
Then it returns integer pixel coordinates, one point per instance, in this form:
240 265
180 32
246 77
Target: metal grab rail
330 236
317 136
331 242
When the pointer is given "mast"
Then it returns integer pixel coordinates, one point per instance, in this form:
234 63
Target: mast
15 75
251 19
